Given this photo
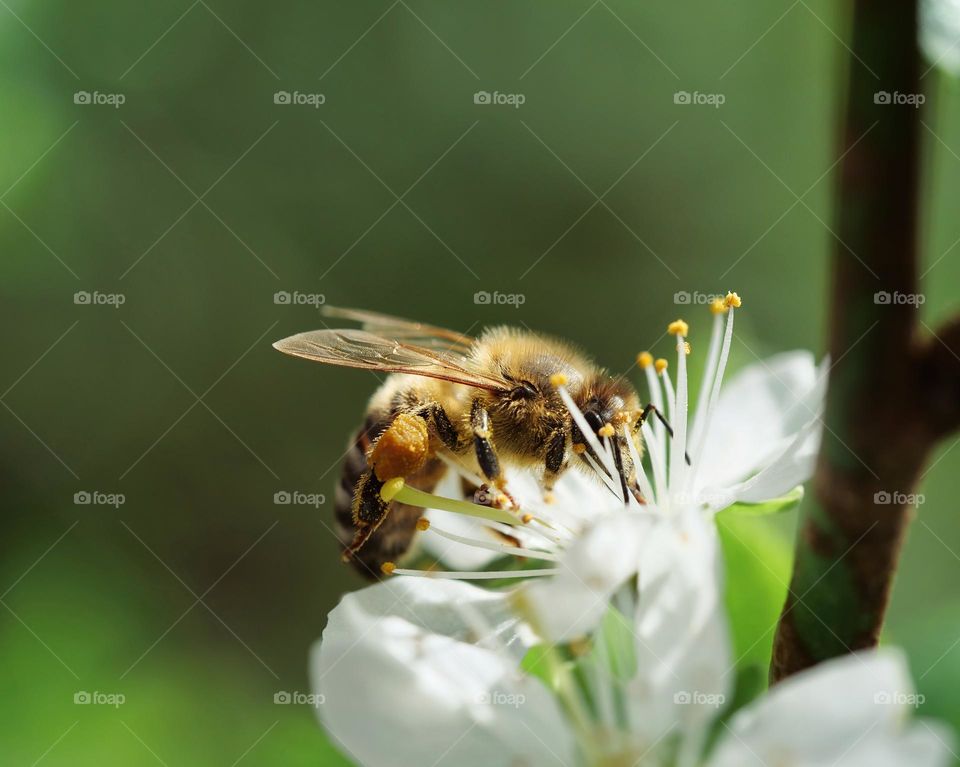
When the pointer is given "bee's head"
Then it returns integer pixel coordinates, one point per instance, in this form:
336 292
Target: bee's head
606 402
608 405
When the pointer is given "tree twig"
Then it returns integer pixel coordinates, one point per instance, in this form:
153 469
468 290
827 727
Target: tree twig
894 390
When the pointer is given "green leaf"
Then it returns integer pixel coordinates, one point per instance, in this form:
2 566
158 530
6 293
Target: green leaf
758 561
775 506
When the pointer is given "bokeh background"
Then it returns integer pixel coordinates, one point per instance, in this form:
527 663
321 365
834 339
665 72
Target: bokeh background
199 198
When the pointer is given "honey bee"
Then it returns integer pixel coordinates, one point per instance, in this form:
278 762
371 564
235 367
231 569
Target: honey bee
481 402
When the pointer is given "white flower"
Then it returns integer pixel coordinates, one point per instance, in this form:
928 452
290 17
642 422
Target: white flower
850 711
940 33
412 671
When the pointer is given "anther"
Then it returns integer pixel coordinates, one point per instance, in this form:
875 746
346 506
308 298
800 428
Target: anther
678 328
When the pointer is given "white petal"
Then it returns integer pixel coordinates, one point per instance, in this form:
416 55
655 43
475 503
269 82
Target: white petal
571 603
940 33
683 644
578 499
759 411
405 681
849 711
792 466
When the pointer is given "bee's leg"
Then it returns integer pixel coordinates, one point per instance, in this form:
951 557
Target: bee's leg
651 408
369 510
483 447
400 451
554 464
442 425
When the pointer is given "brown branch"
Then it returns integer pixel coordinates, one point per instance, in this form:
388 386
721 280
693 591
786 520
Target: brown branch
891 394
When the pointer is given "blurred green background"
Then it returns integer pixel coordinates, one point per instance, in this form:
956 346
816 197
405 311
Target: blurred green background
198 597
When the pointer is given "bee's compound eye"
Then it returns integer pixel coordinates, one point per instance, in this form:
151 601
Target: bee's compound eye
593 420
524 390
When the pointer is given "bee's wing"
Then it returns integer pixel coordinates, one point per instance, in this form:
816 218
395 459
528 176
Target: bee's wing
360 349
417 333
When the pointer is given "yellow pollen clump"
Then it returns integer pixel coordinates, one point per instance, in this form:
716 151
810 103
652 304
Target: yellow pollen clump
526 519
423 524
644 359
678 328
579 448
558 379
660 365
686 347
718 306
387 568
606 430
732 300
402 448
549 497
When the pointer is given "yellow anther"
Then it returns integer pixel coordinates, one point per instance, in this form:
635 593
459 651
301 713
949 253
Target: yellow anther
579 448
606 430
549 497
644 359
391 488
387 568
732 300
678 328
660 365
423 524
526 519
558 379
718 306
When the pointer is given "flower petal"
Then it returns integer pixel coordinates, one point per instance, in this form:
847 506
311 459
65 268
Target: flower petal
939 32
759 412
407 679
683 643
852 711
571 603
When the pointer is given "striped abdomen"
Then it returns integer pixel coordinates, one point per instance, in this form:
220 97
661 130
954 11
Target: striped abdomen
395 533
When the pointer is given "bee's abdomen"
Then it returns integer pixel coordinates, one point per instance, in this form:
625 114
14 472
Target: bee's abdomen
354 467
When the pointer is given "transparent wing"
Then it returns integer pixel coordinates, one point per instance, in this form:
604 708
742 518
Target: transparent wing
361 349
416 333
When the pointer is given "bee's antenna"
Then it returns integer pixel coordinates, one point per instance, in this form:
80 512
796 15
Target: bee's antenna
618 462
651 408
